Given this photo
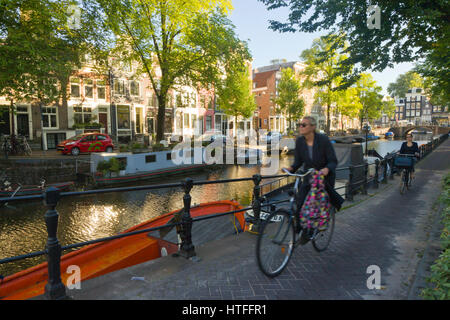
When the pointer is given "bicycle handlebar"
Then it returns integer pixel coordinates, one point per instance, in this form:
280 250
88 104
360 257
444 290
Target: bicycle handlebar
406 155
298 175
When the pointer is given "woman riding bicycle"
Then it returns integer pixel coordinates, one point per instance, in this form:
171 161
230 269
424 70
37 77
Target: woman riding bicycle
315 150
410 147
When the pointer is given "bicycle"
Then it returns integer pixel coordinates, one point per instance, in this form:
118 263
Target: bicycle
405 162
277 237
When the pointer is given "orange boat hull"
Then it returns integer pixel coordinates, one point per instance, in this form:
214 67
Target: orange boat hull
105 257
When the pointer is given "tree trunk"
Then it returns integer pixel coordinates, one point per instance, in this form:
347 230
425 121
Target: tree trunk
328 120
12 116
162 97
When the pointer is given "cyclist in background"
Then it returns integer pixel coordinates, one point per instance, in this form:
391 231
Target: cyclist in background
410 147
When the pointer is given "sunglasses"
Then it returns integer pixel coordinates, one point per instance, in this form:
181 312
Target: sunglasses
303 125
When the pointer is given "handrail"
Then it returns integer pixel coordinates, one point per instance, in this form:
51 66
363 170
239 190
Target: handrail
51 197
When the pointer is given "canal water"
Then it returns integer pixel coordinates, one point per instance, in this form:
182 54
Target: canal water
22 226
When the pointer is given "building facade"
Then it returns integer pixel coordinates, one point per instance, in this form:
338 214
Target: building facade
415 108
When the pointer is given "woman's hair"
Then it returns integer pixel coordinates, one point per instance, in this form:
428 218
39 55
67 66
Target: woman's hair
312 120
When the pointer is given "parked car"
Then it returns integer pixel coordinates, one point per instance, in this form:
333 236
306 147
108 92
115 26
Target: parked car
271 136
87 142
211 136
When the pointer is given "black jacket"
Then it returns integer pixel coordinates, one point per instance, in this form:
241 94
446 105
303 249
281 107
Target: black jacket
323 156
409 150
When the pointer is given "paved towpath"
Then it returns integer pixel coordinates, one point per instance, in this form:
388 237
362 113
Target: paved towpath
394 232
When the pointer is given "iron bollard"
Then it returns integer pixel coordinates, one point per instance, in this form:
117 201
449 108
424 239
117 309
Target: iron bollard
366 172
54 289
391 161
377 167
187 249
385 164
256 205
349 189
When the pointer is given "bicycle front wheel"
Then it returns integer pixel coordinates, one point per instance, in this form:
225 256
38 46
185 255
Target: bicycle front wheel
323 238
275 242
403 182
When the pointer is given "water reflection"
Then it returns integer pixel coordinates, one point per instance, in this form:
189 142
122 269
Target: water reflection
22 227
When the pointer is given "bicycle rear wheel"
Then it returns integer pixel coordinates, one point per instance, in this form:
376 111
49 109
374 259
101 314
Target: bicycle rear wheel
275 242
403 182
323 238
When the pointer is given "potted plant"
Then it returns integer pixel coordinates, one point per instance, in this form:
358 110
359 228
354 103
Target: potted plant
114 167
103 168
137 148
122 168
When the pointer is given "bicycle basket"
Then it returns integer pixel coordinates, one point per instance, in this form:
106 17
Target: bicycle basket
403 162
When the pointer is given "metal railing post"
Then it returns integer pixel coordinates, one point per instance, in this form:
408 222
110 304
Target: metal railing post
385 164
377 167
256 204
391 162
187 249
349 189
54 289
366 172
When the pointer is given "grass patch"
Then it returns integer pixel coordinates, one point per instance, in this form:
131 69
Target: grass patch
440 270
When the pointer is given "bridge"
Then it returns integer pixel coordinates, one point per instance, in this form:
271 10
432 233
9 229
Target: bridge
402 131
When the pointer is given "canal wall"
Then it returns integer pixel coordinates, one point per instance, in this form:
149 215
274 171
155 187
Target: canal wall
30 171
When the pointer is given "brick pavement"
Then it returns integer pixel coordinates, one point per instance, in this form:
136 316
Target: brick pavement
387 230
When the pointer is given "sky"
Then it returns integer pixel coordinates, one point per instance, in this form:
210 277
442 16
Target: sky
251 19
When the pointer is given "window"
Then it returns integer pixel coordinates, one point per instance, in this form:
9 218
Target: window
101 138
123 116
88 88
101 91
120 87
179 121
49 117
134 88
169 156
82 114
75 87
150 158
208 122
418 90
186 120
194 121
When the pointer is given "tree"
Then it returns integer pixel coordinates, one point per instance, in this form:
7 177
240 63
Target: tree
405 82
235 93
408 29
177 42
371 100
288 100
39 50
348 104
325 69
436 72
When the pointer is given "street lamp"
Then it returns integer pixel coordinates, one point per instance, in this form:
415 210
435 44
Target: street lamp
366 129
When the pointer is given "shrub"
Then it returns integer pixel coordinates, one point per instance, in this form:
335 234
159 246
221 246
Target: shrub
103 166
158 147
440 270
137 146
114 165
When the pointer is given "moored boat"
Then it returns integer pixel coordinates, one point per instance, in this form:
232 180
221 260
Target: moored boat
389 134
27 190
101 258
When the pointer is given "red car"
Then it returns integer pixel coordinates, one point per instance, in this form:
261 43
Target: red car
88 142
